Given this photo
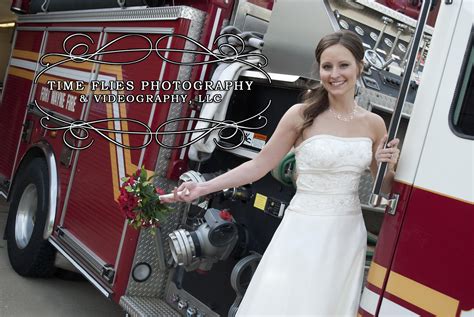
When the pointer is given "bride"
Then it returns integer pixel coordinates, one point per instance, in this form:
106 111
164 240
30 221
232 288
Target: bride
314 264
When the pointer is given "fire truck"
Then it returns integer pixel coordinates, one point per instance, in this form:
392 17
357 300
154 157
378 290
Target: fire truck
71 100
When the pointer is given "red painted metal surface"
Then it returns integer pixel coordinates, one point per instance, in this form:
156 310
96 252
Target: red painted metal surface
92 215
267 4
429 241
436 245
70 106
390 227
15 98
389 232
20 6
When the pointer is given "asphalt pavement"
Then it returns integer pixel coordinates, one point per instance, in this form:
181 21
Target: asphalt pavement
25 297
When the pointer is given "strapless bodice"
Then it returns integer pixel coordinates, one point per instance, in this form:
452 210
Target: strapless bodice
328 173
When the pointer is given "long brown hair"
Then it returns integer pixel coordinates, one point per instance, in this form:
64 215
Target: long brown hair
316 98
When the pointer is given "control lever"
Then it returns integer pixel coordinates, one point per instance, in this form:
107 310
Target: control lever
386 22
410 43
374 58
400 27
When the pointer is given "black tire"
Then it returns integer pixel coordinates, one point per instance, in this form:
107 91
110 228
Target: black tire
33 256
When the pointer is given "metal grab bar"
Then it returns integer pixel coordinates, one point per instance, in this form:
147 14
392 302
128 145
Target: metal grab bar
378 199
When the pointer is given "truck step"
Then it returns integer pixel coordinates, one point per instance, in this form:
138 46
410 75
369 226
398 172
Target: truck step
137 306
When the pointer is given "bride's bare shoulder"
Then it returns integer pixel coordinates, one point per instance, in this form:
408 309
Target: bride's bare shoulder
376 125
295 112
292 120
372 117
298 110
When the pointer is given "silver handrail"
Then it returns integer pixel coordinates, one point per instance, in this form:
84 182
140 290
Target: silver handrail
376 197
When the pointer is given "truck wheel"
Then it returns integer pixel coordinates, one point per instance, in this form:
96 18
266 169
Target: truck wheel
29 253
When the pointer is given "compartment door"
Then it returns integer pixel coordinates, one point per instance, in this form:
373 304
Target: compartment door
93 224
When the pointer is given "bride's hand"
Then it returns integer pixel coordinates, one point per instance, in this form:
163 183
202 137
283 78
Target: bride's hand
186 192
390 154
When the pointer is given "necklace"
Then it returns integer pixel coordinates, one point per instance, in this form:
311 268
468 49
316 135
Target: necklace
340 117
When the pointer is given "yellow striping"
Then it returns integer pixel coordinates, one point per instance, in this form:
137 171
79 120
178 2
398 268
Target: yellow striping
109 69
80 65
422 296
130 168
22 73
32 56
112 69
116 70
113 155
376 274
27 74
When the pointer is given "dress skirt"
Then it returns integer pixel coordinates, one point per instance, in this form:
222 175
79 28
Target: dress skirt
314 266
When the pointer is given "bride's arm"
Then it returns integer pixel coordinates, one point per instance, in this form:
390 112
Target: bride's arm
278 146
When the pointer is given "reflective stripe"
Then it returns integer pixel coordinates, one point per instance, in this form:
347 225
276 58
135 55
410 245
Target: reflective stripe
390 308
369 301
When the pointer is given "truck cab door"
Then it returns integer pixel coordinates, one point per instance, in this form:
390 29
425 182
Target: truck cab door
424 254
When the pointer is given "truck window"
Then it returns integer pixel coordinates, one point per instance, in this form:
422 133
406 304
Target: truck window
462 110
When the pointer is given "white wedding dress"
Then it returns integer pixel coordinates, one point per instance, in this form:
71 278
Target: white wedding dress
314 265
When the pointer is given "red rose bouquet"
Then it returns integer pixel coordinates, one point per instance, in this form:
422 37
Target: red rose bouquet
139 201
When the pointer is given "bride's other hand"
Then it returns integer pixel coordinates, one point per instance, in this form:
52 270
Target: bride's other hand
390 154
186 192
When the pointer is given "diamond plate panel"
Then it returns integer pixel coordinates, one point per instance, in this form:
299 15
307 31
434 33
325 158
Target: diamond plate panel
149 250
376 99
146 307
154 250
128 14
365 187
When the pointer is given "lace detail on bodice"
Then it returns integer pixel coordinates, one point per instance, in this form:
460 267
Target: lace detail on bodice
329 169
